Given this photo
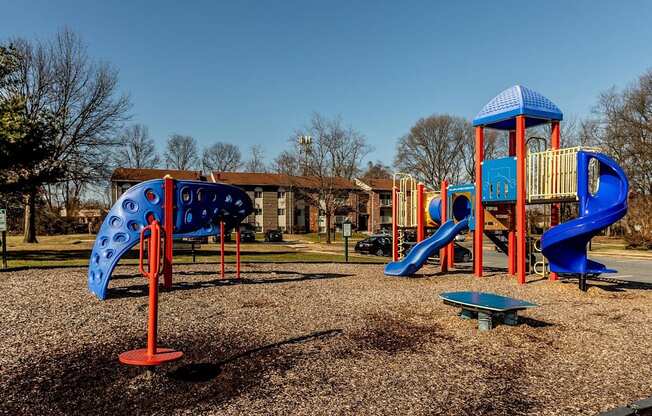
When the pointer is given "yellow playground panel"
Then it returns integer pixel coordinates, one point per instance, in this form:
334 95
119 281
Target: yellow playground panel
552 174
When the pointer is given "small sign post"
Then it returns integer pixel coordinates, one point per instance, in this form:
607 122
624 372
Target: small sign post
3 229
346 233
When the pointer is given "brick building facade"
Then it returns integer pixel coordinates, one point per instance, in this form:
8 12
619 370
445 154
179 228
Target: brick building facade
282 202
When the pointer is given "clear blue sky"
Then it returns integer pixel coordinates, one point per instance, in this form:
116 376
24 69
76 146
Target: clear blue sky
251 72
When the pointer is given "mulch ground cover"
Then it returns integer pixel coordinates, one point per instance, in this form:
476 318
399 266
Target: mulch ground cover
319 339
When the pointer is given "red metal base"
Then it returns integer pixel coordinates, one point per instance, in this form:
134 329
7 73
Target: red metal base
141 357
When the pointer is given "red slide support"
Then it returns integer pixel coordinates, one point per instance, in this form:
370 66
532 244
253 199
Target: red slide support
443 252
556 207
421 226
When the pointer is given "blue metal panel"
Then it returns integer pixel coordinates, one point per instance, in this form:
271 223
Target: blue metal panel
499 180
499 113
483 300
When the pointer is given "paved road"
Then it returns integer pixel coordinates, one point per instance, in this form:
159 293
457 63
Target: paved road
630 269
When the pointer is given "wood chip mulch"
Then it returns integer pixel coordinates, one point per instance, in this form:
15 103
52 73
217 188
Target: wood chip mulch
318 339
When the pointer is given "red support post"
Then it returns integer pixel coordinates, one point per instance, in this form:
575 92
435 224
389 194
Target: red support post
420 212
443 252
152 354
511 236
237 253
556 207
222 249
450 255
168 227
394 224
521 227
479 209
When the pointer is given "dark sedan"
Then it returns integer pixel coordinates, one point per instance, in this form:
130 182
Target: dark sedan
378 245
273 236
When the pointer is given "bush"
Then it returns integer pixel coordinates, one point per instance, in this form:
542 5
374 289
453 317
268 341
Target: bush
638 222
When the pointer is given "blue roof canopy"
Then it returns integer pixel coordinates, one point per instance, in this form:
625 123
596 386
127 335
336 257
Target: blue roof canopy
500 113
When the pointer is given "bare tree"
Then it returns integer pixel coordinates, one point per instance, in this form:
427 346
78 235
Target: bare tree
136 150
222 157
286 163
433 149
58 83
377 170
332 159
256 162
495 145
181 152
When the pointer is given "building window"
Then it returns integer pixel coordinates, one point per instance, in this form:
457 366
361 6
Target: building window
281 211
258 194
281 194
258 211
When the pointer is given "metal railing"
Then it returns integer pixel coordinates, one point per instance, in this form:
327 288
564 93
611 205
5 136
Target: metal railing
552 174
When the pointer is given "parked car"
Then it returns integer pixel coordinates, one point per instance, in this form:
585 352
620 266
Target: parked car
273 236
380 245
247 233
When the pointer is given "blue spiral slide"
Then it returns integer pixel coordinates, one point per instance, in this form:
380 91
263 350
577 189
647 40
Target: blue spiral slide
199 206
419 254
565 245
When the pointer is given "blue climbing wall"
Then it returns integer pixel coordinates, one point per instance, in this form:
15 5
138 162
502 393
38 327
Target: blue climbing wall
199 208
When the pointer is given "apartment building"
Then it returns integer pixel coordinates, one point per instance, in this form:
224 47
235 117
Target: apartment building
285 202
280 201
124 178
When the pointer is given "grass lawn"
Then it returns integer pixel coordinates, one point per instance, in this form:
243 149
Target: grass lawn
75 250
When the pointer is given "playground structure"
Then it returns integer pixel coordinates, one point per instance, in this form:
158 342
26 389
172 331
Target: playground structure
496 202
187 209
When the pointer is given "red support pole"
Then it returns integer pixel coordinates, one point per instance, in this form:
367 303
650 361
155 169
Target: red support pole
443 252
394 224
237 253
168 227
511 236
222 249
554 208
450 256
521 227
420 212
152 354
479 209
153 261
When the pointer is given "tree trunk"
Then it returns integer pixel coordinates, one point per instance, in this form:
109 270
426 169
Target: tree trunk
328 228
29 234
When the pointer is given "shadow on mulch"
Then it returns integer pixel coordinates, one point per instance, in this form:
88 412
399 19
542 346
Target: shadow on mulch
142 290
203 372
500 392
390 335
92 381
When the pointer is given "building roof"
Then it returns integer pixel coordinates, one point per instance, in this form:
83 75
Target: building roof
379 184
500 112
277 179
139 175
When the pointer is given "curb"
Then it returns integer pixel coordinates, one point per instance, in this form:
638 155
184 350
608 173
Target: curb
639 408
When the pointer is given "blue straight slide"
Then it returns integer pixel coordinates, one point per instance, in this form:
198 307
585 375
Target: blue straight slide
426 248
565 245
